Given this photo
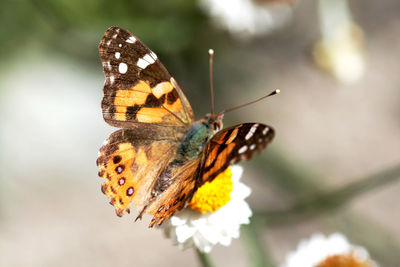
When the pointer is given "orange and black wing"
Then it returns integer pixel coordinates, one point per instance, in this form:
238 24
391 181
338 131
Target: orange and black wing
181 185
141 166
130 161
232 145
138 88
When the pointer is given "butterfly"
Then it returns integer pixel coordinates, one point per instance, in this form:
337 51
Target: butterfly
162 154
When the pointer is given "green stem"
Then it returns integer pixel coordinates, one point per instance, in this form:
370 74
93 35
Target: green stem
325 201
258 253
204 259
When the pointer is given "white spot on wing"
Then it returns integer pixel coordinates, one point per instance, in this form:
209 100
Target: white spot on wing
158 90
117 55
148 58
122 68
249 135
108 42
141 63
112 78
251 132
153 55
131 40
120 45
242 149
265 131
253 146
114 36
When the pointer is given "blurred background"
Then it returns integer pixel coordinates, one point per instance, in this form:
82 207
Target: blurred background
333 165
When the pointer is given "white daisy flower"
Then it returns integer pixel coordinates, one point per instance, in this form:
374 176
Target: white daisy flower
214 215
245 18
332 251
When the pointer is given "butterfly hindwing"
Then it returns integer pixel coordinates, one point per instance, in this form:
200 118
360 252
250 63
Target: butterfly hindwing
232 145
129 161
176 196
138 87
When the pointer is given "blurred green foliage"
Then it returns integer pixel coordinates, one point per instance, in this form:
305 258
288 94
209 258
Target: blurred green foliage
168 26
176 30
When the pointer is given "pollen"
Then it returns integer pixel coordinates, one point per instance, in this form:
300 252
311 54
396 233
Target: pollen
213 195
344 261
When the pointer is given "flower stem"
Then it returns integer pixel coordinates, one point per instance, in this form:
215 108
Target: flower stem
326 201
258 253
204 259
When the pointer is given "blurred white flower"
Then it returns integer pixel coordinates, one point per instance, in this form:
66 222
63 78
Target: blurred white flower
332 251
214 215
341 48
342 55
247 18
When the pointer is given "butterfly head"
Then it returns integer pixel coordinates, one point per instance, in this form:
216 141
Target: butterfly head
215 121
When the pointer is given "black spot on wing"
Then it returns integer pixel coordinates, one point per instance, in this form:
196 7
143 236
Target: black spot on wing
117 159
155 73
172 97
131 112
162 98
152 101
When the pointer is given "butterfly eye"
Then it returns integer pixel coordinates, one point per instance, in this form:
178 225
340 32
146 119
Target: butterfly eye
217 125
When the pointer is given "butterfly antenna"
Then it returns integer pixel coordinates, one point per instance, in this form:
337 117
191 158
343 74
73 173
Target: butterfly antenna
211 54
252 102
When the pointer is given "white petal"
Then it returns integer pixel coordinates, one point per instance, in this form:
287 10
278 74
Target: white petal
184 232
227 240
237 172
240 191
202 244
212 234
178 220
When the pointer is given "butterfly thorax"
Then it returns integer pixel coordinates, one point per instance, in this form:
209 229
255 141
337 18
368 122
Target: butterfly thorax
198 134
194 140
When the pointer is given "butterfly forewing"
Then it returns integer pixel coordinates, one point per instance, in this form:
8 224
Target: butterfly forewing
138 88
232 145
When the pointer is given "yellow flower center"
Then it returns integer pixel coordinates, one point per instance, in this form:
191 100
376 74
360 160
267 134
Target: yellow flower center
213 195
343 261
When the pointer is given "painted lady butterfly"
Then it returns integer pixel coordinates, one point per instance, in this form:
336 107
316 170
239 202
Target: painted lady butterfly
162 154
